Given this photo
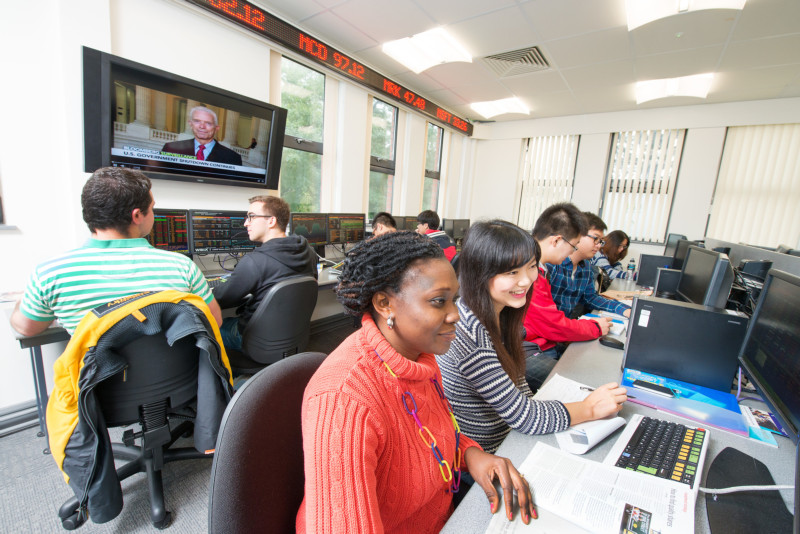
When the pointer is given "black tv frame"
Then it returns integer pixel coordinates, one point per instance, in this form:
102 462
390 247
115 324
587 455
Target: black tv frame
98 79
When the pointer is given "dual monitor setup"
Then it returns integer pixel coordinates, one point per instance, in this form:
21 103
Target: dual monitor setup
322 229
455 228
200 232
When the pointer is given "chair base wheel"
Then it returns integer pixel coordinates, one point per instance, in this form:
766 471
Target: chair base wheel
74 521
164 523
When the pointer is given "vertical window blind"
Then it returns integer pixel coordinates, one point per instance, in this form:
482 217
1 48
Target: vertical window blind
757 196
548 175
640 182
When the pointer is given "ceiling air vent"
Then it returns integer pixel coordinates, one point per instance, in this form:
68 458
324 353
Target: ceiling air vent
516 62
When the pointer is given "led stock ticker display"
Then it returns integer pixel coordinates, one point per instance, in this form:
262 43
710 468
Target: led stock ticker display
254 18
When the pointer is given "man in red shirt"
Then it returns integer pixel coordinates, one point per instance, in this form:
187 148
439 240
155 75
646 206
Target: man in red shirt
557 231
428 224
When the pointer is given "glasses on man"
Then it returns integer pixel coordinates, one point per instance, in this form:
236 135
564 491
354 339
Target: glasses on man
251 216
570 244
598 240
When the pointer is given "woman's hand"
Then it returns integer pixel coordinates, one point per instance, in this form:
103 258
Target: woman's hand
602 402
485 467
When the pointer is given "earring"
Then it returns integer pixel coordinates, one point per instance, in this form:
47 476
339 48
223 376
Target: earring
390 322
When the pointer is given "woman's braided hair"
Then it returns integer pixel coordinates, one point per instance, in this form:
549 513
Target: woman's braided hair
380 264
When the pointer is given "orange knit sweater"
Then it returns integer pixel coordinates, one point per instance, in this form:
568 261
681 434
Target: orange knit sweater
367 470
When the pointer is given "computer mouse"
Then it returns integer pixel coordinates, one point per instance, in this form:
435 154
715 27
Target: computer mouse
612 342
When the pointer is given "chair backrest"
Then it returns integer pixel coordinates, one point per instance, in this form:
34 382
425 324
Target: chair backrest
156 371
257 478
281 324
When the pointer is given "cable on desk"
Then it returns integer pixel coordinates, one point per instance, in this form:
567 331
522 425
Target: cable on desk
734 489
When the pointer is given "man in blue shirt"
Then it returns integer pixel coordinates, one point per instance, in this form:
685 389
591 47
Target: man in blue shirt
572 281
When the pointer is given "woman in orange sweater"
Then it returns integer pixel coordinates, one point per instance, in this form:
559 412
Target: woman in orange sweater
382 450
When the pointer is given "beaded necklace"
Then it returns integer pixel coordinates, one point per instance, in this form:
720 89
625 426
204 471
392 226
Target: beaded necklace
451 476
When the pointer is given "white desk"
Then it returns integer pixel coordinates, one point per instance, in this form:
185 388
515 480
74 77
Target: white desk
593 364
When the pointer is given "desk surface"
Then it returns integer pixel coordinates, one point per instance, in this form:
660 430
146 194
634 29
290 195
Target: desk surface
593 364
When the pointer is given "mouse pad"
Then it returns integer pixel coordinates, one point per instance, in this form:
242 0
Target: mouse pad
748 511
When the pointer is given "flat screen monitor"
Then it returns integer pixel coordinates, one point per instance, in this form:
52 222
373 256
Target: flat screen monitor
770 354
706 278
170 231
144 118
681 250
346 227
312 226
455 228
219 232
411 224
648 268
672 242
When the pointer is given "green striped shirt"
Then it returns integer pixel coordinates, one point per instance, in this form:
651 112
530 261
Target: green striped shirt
67 287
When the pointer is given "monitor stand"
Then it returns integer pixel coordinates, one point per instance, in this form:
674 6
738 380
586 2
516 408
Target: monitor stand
753 511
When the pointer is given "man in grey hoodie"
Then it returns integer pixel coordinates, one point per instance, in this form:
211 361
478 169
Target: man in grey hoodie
279 257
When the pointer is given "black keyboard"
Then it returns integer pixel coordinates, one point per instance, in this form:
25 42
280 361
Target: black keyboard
664 449
216 281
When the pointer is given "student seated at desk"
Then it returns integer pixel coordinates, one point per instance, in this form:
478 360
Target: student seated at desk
369 461
572 281
483 373
556 231
609 258
279 257
115 262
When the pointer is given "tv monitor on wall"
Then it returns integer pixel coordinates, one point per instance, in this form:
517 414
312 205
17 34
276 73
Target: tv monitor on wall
144 118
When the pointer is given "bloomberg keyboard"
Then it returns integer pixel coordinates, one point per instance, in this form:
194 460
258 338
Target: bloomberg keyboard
661 448
215 281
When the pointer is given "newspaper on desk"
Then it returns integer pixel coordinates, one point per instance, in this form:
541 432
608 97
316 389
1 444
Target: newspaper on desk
573 494
577 439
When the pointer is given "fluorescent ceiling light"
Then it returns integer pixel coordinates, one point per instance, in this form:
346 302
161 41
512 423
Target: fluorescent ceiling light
695 86
498 107
426 49
641 12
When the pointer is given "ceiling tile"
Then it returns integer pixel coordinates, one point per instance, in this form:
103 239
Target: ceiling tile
296 10
761 18
445 12
680 32
591 77
762 52
675 64
499 31
754 84
562 18
597 47
383 20
536 83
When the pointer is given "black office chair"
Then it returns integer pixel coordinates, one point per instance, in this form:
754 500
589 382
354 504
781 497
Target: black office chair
133 396
279 327
257 478
454 262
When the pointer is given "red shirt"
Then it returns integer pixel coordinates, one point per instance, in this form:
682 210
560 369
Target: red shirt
546 325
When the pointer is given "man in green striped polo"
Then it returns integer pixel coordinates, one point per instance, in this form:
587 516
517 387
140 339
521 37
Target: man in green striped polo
114 263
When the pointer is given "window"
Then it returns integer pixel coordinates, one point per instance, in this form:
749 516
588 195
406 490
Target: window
382 157
548 175
433 165
640 182
757 194
303 94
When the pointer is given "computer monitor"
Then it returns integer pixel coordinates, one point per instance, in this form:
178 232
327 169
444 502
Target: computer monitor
312 226
219 232
411 223
346 227
770 354
672 242
455 228
706 278
648 268
400 221
681 250
170 231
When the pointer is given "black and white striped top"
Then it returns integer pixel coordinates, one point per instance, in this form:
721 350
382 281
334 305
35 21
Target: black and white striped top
486 403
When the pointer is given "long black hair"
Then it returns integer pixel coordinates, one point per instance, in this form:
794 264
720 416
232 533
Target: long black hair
613 242
491 248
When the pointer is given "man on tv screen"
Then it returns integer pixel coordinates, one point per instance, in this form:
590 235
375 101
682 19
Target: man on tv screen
204 147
